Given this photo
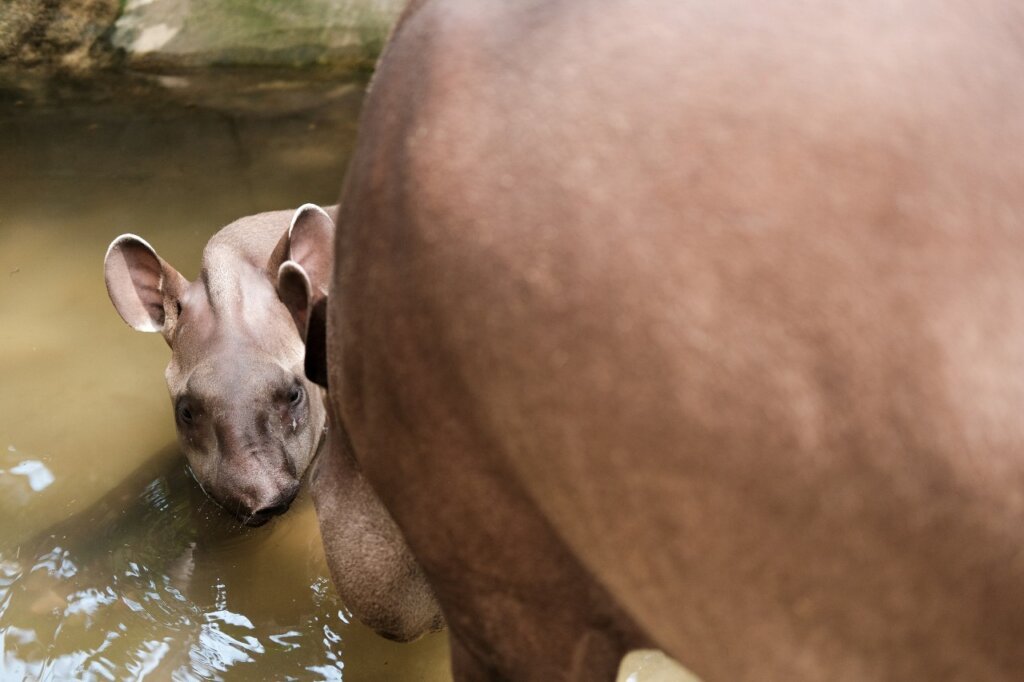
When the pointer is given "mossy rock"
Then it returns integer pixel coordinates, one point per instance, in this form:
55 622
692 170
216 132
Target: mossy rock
195 33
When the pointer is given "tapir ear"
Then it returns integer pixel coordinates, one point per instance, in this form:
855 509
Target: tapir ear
296 292
311 245
303 280
309 312
143 288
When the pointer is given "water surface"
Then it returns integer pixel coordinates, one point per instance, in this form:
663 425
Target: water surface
112 564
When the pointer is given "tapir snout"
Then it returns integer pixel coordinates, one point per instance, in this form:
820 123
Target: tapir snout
247 425
259 512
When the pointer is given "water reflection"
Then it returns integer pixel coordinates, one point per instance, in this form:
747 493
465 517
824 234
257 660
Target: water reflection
21 477
171 587
37 474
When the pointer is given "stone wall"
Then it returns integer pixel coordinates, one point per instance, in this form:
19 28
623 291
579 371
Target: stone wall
65 35
171 35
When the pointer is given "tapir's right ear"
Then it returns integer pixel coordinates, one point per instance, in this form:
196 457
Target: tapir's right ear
295 290
143 288
311 245
310 314
303 280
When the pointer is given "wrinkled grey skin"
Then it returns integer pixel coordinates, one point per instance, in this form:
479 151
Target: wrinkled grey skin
247 419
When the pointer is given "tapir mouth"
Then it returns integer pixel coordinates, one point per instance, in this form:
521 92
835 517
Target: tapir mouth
262 516
243 511
256 520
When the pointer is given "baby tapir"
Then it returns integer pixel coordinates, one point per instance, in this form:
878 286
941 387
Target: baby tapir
247 419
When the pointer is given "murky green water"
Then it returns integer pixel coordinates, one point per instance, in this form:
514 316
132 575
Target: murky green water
112 564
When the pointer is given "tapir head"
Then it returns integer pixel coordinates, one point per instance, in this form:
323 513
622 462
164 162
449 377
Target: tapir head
247 418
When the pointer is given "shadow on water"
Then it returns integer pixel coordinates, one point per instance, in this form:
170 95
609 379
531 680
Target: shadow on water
153 579
112 564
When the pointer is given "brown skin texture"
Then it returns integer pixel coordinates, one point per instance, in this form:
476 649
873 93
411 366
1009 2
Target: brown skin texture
697 324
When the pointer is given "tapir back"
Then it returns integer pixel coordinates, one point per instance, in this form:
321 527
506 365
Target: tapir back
727 299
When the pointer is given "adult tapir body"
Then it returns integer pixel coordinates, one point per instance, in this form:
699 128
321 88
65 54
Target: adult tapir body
248 419
697 324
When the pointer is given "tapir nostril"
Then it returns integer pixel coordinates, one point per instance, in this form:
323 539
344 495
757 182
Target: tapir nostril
276 510
283 502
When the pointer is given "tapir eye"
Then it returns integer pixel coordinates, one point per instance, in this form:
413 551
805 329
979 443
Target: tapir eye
295 395
185 415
